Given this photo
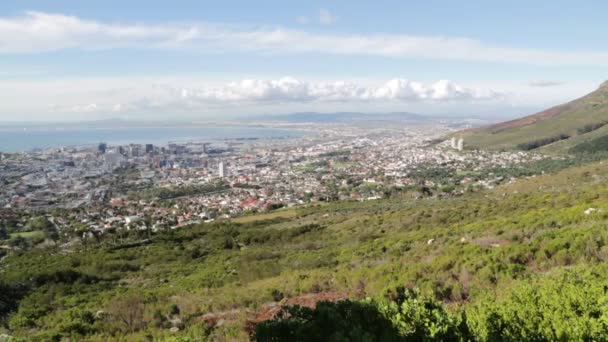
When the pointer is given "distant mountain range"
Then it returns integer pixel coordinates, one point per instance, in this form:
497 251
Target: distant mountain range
358 117
302 117
345 117
557 129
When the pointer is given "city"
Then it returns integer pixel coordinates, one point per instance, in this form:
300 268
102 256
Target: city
303 171
166 187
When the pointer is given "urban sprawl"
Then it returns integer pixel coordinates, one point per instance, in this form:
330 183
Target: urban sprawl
148 187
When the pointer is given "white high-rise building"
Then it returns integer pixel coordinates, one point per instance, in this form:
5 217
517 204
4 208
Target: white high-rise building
222 169
453 142
460 144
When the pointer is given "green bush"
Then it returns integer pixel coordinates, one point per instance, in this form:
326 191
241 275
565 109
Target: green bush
342 321
571 306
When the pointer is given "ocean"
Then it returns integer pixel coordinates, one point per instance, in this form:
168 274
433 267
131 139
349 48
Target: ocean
13 139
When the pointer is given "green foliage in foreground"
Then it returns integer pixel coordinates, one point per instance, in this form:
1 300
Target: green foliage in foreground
342 321
408 316
569 306
520 262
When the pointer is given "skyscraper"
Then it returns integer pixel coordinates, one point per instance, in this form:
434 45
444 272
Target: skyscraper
222 169
460 144
102 148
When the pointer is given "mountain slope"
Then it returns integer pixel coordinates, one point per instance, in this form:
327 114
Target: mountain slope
565 125
462 250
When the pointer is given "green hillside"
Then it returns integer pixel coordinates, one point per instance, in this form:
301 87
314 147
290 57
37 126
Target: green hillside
565 126
525 260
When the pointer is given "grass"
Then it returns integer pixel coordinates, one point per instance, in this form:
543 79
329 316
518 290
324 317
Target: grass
281 213
29 235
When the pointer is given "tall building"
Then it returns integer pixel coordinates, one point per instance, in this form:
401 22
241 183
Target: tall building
453 142
102 147
222 169
135 150
460 144
149 148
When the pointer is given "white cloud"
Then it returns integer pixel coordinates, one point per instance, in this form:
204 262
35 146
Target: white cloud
288 89
36 32
325 17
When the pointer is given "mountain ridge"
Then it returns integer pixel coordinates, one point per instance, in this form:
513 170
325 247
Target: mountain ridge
569 122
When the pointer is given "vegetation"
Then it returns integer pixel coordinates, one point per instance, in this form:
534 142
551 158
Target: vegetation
523 261
175 192
567 306
593 146
527 146
576 119
591 127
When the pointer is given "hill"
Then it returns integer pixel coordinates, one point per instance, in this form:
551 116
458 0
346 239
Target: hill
566 126
476 270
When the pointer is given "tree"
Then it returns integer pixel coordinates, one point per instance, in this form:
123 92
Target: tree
10 294
4 235
51 233
421 318
19 242
127 314
80 230
39 223
77 322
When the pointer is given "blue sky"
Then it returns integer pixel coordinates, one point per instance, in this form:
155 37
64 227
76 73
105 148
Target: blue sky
79 60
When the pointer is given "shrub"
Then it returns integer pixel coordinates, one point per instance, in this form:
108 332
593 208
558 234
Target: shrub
342 321
542 142
566 307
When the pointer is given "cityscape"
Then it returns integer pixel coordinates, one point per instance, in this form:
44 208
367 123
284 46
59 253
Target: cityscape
303 171
167 187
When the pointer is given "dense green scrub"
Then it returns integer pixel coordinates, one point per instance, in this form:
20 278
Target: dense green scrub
525 261
563 306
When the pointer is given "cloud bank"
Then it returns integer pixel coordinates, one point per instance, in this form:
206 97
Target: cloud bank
289 89
286 90
36 32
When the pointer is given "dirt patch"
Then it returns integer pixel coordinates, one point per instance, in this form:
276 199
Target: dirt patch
270 310
309 300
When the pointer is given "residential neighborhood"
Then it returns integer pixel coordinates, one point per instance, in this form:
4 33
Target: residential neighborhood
149 187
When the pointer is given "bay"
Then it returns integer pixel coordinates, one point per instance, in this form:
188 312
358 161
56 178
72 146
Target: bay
14 139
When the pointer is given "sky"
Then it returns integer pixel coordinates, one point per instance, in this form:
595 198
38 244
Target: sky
74 60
